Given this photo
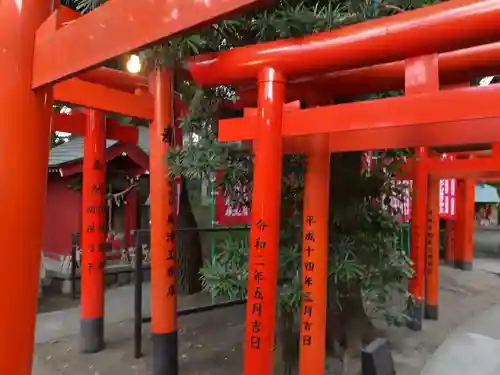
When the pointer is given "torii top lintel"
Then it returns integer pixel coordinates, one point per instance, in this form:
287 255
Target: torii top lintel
454 68
118 27
433 29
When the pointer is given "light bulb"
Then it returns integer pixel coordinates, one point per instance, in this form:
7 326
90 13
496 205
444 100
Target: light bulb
134 64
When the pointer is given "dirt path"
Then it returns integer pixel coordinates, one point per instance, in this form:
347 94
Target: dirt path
210 343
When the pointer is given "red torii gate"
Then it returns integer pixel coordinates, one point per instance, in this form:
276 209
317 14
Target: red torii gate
36 53
25 99
348 48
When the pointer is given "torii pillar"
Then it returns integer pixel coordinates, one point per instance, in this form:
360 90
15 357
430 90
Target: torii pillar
163 265
421 76
93 232
464 245
315 256
264 234
315 226
25 115
432 251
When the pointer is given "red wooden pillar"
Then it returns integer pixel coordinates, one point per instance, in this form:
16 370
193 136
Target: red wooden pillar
432 252
93 232
25 115
421 76
464 249
264 235
450 241
163 266
130 216
315 256
453 225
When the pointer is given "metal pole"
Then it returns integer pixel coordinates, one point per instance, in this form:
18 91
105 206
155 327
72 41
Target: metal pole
138 296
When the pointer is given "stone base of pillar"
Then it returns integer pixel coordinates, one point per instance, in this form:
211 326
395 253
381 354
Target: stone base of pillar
431 312
92 335
463 265
165 354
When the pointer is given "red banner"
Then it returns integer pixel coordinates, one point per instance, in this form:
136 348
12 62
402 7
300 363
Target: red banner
226 211
402 205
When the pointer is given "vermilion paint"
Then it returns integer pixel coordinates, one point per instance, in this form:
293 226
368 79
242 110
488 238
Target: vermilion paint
413 121
454 67
450 241
421 77
163 295
58 56
432 251
75 124
464 245
264 235
377 41
25 115
93 231
315 257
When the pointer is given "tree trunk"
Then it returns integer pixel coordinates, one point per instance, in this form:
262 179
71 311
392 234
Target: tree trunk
348 326
288 343
189 250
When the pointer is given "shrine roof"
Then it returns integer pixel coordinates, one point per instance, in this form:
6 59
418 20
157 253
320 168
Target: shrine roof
72 150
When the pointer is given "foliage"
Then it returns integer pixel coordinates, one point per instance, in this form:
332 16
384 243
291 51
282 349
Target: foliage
363 247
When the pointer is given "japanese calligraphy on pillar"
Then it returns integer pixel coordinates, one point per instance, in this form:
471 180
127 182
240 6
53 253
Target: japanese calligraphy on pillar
429 245
95 222
309 244
170 245
256 296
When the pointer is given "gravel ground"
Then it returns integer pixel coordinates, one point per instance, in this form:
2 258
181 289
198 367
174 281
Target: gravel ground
210 343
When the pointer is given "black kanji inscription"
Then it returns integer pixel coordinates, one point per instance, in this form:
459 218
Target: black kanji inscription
309 266
256 326
308 311
171 271
255 342
259 244
308 281
257 294
310 237
257 309
258 276
170 254
171 291
309 250
261 225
